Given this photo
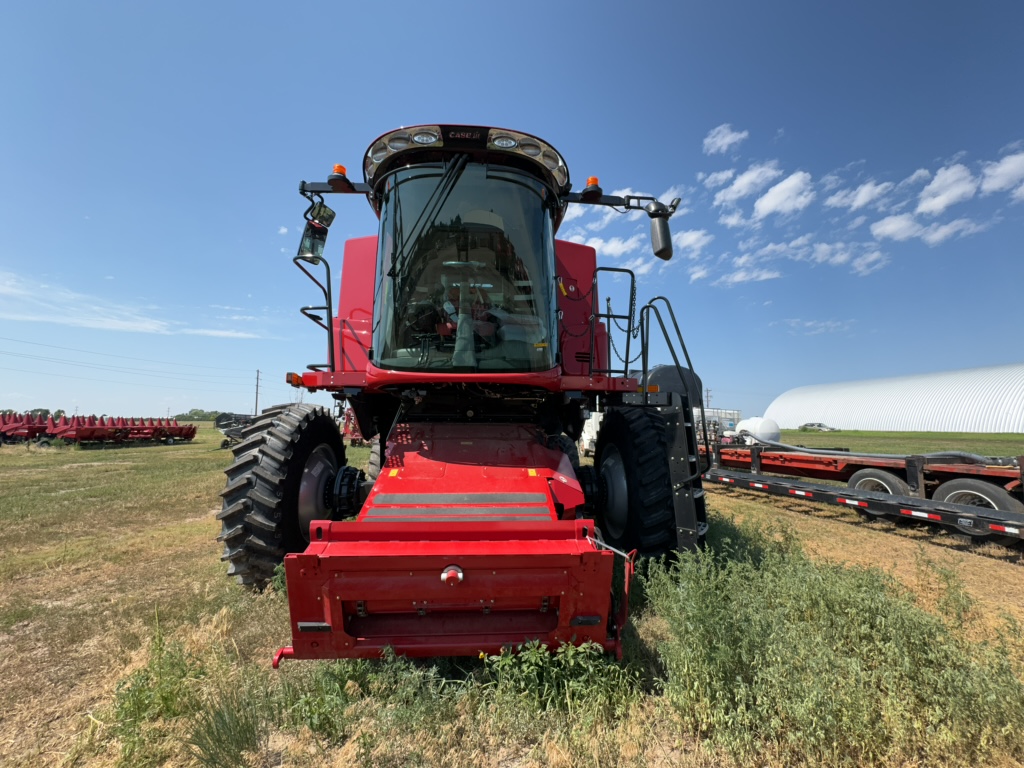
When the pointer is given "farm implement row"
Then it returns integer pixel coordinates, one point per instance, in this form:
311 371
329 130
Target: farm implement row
16 428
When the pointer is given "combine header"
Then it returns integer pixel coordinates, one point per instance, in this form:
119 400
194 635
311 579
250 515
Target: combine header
471 346
90 429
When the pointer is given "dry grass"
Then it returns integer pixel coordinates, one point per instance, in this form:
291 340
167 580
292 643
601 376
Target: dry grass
100 548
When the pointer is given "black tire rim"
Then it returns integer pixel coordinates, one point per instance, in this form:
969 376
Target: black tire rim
319 470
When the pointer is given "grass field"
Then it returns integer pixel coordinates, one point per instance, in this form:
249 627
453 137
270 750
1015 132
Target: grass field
802 636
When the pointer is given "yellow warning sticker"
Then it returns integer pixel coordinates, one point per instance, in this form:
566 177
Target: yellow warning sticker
531 472
393 473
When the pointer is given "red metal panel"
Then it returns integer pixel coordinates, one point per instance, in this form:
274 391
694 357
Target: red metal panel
575 265
368 586
352 325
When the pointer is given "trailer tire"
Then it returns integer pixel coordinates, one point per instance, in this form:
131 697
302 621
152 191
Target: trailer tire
880 481
635 510
978 493
276 486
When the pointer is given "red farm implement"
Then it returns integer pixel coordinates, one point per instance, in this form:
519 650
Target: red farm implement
471 347
90 429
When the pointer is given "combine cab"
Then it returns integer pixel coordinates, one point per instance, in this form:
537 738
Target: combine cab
471 347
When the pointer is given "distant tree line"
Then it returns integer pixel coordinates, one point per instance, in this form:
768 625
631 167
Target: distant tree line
198 414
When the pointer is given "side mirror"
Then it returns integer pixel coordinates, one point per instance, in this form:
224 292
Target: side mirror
314 238
321 214
661 237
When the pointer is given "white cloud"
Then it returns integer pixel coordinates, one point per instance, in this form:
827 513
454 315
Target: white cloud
917 177
1018 194
747 276
790 195
692 240
904 226
1003 175
609 215
718 178
951 185
834 254
816 327
616 246
855 199
938 233
34 303
282 230
830 181
220 334
901 227
698 273
857 222
574 211
733 219
869 262
752 180
722 138
641 265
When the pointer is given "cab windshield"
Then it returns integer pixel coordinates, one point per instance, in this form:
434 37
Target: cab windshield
465 272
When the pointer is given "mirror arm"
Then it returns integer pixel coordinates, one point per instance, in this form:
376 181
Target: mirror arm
307 188
629 203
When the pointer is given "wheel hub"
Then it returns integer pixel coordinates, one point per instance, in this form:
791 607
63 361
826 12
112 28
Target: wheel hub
320 469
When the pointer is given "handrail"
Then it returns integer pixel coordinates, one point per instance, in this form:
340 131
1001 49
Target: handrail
595 315
327 307
645 322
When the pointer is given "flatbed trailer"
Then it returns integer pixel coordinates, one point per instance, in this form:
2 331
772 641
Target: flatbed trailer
973 495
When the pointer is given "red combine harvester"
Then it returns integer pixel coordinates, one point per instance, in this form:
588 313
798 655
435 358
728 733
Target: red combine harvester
471 347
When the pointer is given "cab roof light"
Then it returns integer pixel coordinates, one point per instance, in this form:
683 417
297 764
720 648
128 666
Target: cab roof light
402 140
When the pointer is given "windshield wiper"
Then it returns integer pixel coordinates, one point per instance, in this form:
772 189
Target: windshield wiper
443 190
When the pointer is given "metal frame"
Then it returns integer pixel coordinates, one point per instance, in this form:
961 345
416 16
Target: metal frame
995 521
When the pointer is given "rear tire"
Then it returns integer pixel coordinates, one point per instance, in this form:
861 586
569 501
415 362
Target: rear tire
276 485
635 510
879 481
979 493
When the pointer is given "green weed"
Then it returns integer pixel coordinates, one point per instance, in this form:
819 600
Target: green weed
234 723
165 689
770 653
573 679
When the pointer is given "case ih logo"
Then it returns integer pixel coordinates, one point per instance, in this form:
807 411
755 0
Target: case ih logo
465 135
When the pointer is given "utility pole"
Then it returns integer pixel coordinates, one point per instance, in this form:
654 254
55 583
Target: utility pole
256 412
707 397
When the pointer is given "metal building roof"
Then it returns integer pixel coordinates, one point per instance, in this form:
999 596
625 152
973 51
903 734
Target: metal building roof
971 400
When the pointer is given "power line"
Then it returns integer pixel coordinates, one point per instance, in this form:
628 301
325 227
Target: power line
111 354
119 369
123 383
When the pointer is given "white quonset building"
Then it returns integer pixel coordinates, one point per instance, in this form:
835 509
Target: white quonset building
971 400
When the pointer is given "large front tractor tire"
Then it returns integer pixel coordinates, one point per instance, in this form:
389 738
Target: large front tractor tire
635 509
279 482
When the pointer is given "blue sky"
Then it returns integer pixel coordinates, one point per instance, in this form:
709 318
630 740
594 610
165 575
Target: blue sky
852 178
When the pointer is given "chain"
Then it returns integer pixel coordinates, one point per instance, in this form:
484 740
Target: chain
634 331
581 297
619 354
567 332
